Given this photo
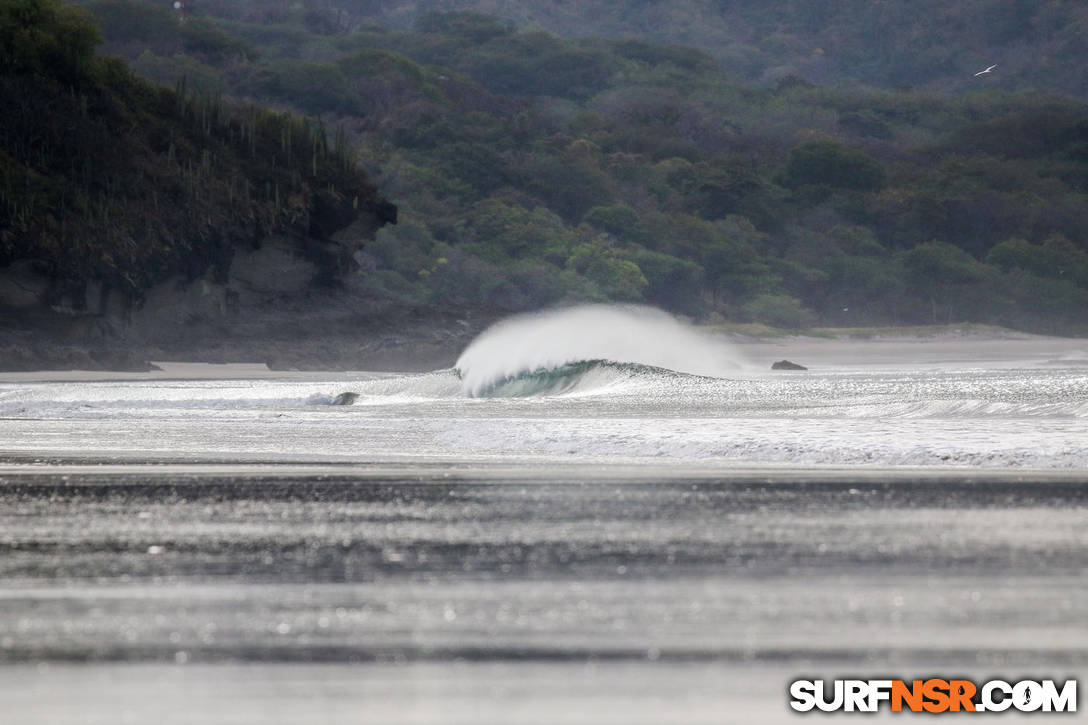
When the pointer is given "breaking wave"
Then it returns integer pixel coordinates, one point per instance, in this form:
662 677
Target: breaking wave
554 352
579 377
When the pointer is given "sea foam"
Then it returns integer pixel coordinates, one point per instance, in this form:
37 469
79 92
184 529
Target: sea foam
548 340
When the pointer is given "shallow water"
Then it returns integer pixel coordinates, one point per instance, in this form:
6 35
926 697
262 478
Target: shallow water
646 546
1030 412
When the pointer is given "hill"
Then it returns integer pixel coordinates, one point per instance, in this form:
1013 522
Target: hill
118 196
533 170
925 44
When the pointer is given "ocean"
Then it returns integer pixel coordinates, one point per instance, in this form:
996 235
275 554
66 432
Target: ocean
597 516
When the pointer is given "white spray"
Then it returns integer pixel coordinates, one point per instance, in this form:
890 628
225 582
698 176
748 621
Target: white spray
617 333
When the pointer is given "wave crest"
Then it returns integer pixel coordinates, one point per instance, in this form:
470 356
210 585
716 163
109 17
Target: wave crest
551 352
576 377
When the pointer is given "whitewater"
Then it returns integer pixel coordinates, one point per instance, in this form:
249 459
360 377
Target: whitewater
598 385
594 515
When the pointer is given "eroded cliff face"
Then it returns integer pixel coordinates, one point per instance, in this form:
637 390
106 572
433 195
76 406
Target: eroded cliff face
137 219
278 272
232 313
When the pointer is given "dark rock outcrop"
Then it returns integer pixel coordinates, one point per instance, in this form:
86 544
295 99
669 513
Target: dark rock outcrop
787 365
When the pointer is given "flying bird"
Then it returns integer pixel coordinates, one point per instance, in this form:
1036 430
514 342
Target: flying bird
988 70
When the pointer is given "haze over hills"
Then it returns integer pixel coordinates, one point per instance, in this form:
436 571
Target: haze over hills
534 170
928 44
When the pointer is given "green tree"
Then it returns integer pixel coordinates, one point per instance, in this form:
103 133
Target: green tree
942 275
47 38
619 278
672 282
619 220
1055 258
569 184
779 311
826 163
315 87
499 229
863 290
473 27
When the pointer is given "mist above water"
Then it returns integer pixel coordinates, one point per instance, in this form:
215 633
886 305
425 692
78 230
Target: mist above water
615 333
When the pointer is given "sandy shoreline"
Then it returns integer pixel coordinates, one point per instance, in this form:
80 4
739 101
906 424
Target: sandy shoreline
246 601
938 346
89 468
213 551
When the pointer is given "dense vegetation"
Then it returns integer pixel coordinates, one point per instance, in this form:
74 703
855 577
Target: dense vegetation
532 170
106 176
931 44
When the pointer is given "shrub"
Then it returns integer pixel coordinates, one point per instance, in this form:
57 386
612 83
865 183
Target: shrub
672 282
779 311
504 228
1056 258
826 163
392 285
619 279
44 37
469 26
619 220
316 87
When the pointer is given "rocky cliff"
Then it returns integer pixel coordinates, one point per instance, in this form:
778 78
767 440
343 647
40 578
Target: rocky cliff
138 220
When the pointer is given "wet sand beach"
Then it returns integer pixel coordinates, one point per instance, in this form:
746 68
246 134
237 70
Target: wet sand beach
577 596
224 544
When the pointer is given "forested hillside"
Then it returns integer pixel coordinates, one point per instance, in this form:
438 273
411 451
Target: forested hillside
928 44
108 178
532 170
